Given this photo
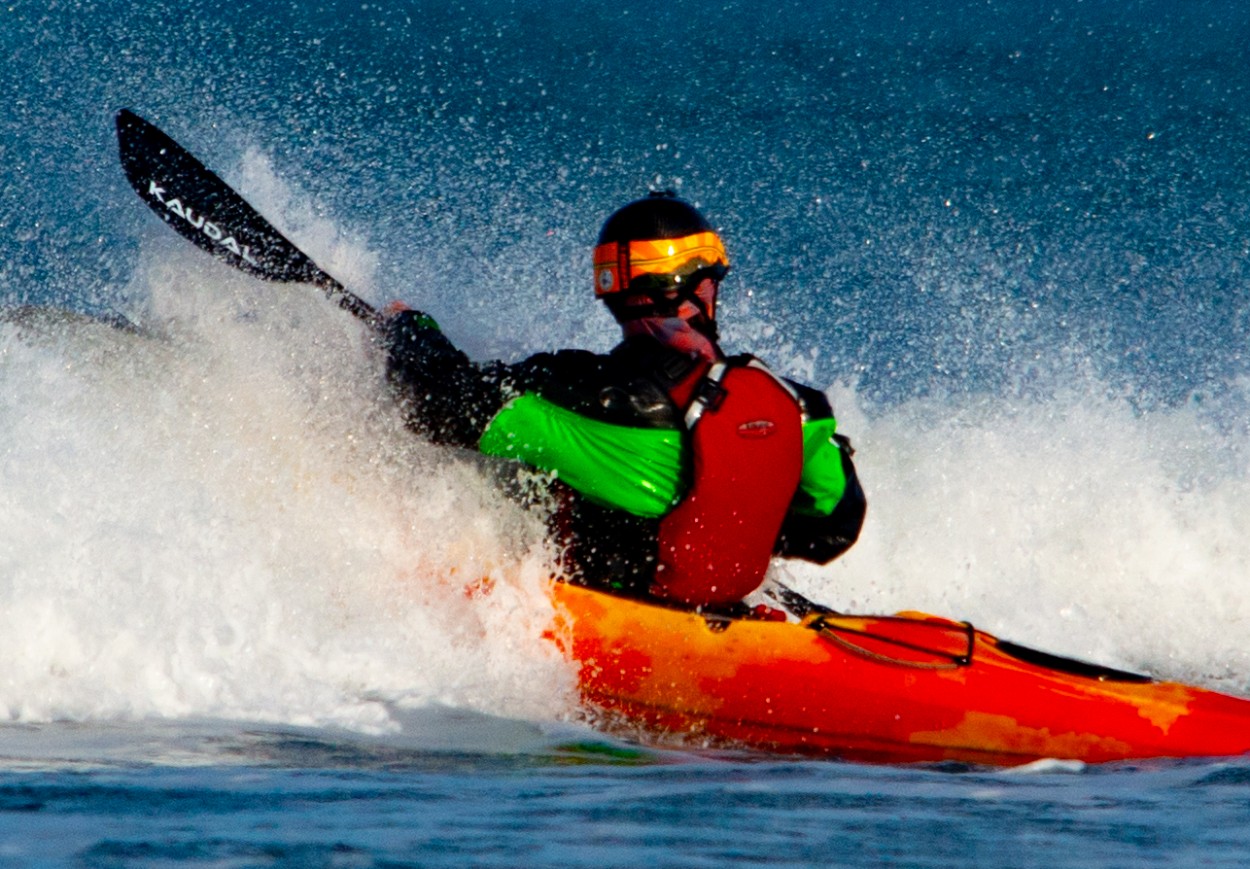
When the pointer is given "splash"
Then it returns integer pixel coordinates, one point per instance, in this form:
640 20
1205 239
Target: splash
1074 522
220 516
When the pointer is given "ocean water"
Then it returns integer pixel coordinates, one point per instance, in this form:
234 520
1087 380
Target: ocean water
241 619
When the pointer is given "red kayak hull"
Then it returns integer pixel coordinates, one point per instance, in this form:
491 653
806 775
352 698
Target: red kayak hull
878 689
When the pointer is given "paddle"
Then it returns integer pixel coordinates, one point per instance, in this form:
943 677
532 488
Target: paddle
206 211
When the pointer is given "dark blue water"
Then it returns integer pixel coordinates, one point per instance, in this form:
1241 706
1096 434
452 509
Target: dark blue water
1010 239
306 800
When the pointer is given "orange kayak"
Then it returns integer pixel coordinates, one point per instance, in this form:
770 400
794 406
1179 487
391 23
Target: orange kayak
874 688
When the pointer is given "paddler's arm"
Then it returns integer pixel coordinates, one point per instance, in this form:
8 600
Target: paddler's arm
828 510
443 394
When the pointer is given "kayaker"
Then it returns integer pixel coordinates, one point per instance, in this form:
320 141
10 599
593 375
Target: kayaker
677 471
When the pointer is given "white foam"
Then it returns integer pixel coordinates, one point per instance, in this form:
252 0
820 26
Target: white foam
228 521
1048 766
1073 523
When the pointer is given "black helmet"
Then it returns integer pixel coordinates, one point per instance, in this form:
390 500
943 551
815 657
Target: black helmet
653 253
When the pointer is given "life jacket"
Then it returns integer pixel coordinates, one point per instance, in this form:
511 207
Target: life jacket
746 438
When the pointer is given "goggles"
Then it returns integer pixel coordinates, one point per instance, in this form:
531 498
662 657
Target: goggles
656 265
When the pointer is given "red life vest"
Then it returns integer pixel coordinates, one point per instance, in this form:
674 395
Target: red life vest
746 435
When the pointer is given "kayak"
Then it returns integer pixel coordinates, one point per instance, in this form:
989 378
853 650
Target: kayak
886 689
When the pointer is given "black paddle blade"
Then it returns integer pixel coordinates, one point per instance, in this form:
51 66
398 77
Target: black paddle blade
208 212
204 209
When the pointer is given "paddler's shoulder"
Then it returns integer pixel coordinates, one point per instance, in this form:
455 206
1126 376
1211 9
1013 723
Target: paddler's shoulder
615 387
815 403
559 366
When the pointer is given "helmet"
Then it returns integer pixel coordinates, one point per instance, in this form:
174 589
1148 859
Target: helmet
653 254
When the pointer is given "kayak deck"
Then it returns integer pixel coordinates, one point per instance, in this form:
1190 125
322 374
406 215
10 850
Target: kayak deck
880 689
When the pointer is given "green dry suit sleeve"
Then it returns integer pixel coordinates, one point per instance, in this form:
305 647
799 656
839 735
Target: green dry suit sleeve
639 470
824 479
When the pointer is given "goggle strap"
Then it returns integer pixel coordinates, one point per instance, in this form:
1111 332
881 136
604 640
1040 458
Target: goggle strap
622 266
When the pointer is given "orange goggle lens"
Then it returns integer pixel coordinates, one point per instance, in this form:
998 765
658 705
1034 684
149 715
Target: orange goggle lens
655 263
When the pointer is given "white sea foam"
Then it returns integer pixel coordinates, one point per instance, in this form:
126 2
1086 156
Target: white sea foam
225 519
1073 523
